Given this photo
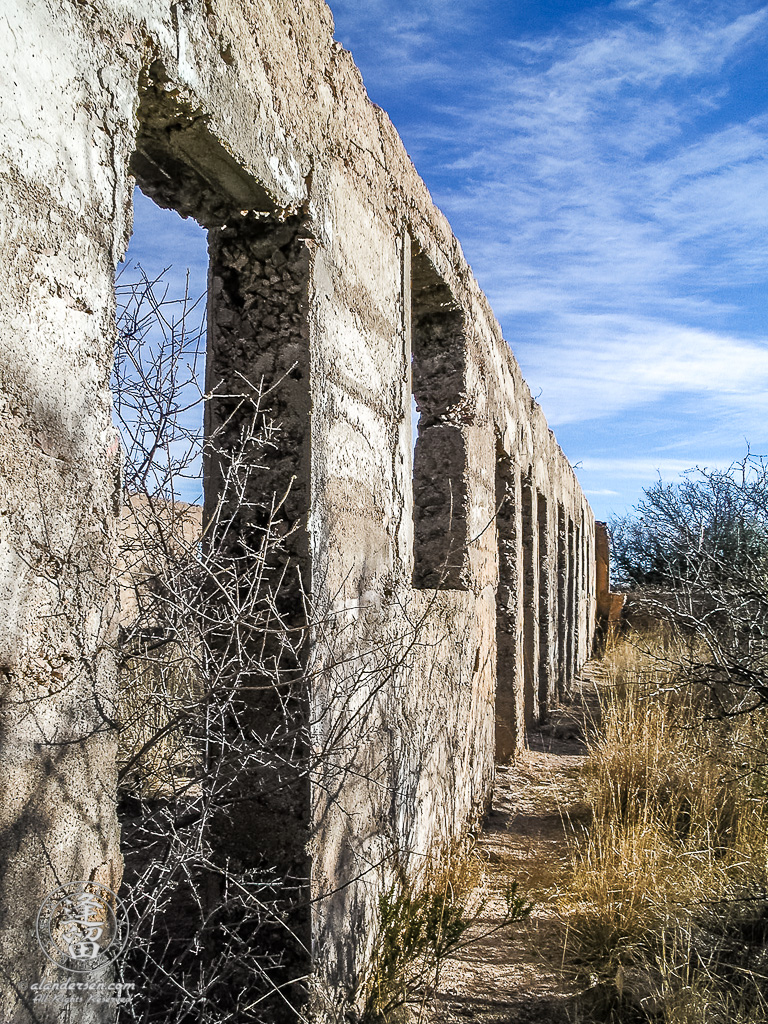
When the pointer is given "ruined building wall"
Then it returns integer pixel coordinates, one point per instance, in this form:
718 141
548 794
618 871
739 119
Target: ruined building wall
331 270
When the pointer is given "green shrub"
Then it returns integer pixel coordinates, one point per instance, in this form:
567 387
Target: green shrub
422 923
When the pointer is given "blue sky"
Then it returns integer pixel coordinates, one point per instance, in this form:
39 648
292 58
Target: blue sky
604 166
174 251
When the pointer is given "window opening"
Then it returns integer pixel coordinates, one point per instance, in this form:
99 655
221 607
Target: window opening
213 657
530 600
562 603
440 457
545 617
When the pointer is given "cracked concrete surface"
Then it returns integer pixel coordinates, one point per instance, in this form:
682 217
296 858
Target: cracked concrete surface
251 118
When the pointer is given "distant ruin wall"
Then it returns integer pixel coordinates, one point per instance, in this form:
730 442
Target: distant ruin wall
609 604
331 264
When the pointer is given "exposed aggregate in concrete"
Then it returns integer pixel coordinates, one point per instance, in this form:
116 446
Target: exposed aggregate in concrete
331 268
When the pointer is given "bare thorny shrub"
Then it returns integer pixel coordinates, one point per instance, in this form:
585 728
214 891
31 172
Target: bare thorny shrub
214 672
695 555
214 669
667 912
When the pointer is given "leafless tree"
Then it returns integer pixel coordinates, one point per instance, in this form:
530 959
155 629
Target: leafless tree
194 756
215 665
696 554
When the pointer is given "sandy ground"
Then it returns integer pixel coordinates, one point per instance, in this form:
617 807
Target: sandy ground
515 975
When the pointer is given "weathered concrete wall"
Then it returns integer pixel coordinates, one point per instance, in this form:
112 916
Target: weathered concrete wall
609 604
452 601
602 570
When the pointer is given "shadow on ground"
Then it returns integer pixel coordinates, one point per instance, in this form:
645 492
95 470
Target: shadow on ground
516 975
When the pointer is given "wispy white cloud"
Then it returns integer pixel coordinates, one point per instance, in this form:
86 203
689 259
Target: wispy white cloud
609 227
598 365
607 177
636 468
567 159
407 35
582 169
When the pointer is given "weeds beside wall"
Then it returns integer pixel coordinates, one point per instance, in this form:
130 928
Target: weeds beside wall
667 914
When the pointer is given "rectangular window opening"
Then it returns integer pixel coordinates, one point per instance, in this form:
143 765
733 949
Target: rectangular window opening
578 596
562 603
158 383
571 650
530 600
214 562
438 362
545 625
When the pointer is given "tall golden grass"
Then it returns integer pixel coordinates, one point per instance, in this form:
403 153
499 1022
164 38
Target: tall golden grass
668 907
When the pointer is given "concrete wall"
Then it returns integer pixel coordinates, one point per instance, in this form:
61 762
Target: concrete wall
331 270
609 604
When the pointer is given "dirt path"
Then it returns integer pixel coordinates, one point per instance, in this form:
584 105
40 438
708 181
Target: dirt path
514 975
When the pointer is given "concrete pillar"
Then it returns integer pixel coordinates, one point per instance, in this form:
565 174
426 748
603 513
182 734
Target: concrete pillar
602 570
575 601
257 497
546 626
530 601
570 650
563 681
583 595
510 731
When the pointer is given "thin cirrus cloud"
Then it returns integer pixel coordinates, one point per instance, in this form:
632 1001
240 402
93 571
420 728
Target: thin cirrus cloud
603 364
632 468
407 37
545 170
589 174
605 168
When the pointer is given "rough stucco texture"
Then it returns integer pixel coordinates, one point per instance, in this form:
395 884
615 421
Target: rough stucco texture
222 107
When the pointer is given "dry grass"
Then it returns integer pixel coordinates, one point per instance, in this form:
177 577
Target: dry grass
422 922
668 917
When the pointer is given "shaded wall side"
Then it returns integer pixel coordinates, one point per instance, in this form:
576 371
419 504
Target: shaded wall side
510 729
